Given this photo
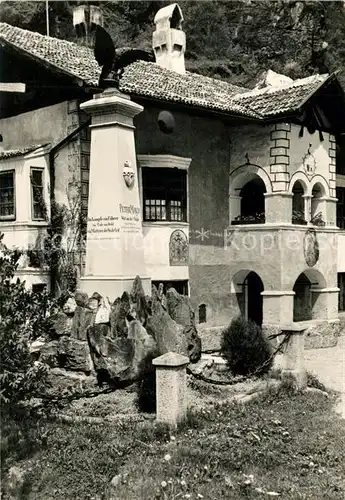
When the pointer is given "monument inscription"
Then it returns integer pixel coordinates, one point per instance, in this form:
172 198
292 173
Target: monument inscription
110 226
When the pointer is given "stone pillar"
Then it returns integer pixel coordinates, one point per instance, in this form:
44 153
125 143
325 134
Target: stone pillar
114 243
234 207
171 388
293 356
307 207
277 307
278 208
330 214
325 303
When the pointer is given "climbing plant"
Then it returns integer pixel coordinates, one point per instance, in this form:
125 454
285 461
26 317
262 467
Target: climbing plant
60 246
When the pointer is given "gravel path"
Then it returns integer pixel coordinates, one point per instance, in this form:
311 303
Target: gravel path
328 365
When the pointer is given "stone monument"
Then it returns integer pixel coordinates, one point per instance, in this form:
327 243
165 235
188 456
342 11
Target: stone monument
114 243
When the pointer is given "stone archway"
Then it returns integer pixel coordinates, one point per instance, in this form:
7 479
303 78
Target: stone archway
309 289
254 301
248 287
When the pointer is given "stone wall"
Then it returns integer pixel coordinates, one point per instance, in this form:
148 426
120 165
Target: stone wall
40 126
207 142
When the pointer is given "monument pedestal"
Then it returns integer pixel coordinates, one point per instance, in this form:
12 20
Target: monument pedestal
114 242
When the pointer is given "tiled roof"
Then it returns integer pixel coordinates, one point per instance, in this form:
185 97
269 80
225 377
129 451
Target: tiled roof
146 79
150 80
67 57
13 153
273 101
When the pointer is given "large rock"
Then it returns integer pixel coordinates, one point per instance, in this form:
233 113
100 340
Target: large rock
82 319
60 380
181 311
69 306
49 353
139 306
81 298
74 355
194 343
103 312
179 308
61 324
112 357
120 310
168 334
122 360
145 348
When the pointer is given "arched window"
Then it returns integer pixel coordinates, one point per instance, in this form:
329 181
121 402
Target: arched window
298 204
202 313
252 205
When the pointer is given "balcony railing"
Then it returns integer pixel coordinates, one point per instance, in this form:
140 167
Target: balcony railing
258 218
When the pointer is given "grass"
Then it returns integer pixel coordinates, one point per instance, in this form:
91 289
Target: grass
284 443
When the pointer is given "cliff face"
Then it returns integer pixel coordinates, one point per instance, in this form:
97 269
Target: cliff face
235 40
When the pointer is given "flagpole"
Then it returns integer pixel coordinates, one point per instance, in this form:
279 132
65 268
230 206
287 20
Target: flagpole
47 17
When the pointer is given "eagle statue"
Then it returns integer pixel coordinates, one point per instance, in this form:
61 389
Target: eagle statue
114 61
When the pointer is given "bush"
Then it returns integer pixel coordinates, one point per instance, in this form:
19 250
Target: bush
23 317
245 348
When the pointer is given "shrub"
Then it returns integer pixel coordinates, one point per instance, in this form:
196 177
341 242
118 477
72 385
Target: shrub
23 317
245 348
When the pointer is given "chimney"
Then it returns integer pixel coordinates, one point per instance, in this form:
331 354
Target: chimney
169 41
85 16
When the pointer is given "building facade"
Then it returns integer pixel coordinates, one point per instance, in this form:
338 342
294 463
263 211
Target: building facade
242 191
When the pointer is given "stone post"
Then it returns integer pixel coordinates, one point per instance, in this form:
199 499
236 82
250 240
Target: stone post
171 388
114 243
293 356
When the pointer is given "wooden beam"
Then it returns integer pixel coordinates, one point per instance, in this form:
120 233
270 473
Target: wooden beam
12 87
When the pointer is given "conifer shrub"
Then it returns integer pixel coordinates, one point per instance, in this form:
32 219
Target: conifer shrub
245 348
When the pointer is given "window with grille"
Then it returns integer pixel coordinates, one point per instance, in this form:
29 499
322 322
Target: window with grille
7 195
165 194
340 154
37 196
341 207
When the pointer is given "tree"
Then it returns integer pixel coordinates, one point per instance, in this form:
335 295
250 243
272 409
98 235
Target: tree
235 40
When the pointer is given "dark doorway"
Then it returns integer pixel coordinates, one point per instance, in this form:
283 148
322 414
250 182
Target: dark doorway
302 305
254 302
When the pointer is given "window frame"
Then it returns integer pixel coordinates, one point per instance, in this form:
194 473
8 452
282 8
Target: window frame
14 215
33 203
165 195
340 155
340 203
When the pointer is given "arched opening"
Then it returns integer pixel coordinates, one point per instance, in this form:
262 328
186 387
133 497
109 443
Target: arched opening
252 202
202 313
318 205
302 306
308 296
253 287
298 204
